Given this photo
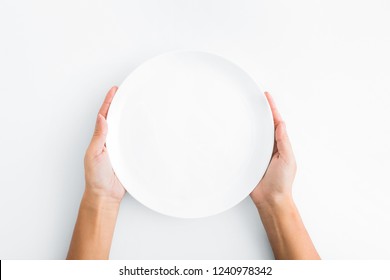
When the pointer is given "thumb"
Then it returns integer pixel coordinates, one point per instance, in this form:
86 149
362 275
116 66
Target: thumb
99 135
283 142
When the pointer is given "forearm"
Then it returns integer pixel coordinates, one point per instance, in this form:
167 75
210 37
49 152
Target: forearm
286 231
94 228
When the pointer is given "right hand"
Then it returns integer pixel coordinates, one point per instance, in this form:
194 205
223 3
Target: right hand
276 185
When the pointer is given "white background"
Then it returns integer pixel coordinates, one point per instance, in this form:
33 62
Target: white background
327 64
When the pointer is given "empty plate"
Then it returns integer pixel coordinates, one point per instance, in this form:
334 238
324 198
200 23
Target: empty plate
190 134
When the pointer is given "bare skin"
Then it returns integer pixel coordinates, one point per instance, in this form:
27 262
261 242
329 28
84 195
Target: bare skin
94 229
103 193
273 199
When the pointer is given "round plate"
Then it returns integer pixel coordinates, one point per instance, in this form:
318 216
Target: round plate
190 134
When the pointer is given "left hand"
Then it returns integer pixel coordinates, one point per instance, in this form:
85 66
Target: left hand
101 183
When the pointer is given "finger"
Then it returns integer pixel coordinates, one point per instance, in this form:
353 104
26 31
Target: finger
107 101
99 135
275 113
282 140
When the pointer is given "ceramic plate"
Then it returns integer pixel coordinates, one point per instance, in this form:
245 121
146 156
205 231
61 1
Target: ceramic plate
190 134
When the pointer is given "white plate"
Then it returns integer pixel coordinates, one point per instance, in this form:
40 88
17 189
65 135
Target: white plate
190 134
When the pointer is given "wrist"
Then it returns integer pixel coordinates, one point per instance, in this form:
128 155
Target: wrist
276 203
99 202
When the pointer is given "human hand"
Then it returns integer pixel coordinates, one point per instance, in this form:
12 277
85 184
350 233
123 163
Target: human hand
272 196
94 229
101 182
276 185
